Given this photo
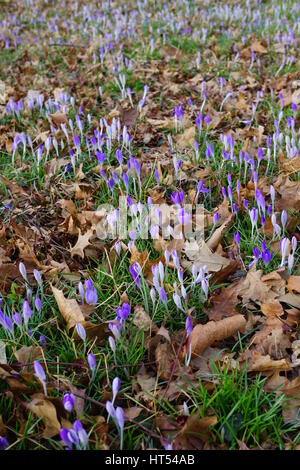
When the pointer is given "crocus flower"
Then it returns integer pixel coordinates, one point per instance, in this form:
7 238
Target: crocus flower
83 437
38 303
17 319
81 331
38 277
110 409
26 311
116 383
68 401
284 248
163 296
120 420
112 344
123 312
92 362
91 296
23 271
40 374
189 330
43 341
266 256
3 443
134 271
76 436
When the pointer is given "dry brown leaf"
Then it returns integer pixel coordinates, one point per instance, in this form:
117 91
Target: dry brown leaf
59 118
201 255
260 363
224 303
195 431
256 46
272 309
141 318
254 289
28 354
294 284
187 138
82 243
69 309
291 299
216 237
204 336
164 359
133 412
46 410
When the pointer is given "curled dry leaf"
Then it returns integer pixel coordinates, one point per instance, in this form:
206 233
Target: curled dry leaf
216 237
69 309
204 336
260 363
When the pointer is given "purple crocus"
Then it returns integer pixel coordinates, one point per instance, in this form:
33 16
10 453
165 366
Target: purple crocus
40 374
75 437
134 270
237 238
92 362
81 331
116 383
26 311
3 443
120 420
162 295
123 312
68 402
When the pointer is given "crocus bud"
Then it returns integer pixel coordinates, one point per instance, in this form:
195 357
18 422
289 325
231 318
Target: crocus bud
81 331
22 270
112 344
115 388
40 374
68 402
92 362
27 312
38 277
110 409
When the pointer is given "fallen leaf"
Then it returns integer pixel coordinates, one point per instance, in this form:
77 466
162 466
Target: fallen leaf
195 431
69 309
82 243
201 255
294 284
44 409
204 336
141 319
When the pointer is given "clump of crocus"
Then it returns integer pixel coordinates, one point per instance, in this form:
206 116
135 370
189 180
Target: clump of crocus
75 437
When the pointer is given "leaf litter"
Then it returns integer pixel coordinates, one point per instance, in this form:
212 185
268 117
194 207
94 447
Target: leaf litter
184 106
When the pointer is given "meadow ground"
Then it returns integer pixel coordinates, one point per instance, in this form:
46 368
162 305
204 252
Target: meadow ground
149 225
